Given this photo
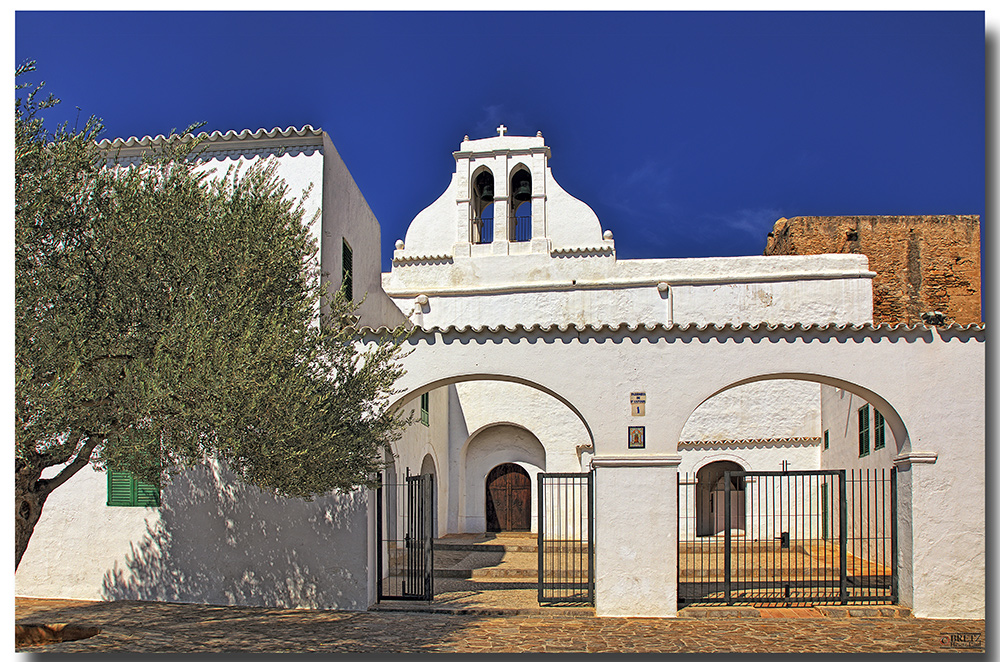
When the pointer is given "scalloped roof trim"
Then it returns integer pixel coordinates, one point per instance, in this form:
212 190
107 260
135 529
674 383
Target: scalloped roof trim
421 258
712 327
586 250
784 441
245 134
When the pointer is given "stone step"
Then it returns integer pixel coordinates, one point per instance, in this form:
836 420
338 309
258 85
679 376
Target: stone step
491 573
488 543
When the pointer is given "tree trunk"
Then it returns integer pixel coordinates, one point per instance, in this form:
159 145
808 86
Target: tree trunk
29 497
31 490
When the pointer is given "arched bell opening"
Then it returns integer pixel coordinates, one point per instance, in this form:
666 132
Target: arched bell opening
481 223
520 205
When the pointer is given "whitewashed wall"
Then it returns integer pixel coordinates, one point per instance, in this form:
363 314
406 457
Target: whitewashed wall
212 541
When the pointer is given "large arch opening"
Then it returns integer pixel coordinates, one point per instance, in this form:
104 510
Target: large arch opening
477 422
407 397
820 454
758 395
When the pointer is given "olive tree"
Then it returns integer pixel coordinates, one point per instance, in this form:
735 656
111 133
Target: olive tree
165 316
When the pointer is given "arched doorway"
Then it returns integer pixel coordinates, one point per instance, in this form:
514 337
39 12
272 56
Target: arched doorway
710 499
508 499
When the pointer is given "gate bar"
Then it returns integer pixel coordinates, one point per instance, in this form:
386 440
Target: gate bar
729 542
843 536
378 537
541 535
894 550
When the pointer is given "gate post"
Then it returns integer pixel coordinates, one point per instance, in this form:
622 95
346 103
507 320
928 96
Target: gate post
636 548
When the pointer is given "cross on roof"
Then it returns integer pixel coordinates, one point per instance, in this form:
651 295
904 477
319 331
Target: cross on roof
501 130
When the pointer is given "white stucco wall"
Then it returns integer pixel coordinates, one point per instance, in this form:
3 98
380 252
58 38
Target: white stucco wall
212 541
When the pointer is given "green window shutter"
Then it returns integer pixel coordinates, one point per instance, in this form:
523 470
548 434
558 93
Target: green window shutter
863 432
347 282
124 490
146 494
119 488
826 440
879 430
425 409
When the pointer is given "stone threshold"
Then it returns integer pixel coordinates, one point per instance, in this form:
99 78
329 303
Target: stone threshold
819 611
431 608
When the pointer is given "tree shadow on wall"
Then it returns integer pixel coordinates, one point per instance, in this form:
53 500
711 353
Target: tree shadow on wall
218 541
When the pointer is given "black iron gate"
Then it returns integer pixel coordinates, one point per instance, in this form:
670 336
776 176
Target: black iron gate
565 538
788 537
405 530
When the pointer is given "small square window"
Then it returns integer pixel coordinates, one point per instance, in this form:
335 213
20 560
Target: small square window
425 409
125 490
864 440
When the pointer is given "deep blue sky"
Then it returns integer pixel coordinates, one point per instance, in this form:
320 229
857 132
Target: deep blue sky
689 134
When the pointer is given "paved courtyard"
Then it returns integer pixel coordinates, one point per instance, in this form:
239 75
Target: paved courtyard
138 627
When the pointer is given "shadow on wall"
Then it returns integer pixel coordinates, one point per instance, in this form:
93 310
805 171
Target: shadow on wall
218 541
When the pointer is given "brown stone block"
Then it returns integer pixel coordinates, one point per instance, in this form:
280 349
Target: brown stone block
922 263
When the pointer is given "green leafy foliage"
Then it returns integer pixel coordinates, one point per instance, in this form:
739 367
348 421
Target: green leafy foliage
166 315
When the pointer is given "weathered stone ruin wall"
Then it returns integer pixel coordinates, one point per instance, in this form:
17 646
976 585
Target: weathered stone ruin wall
924 263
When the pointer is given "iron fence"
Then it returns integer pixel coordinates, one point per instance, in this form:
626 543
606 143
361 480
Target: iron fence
522 227
565 535
404 527
792 537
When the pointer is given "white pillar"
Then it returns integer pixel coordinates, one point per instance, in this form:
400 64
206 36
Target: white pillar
940 534
635 531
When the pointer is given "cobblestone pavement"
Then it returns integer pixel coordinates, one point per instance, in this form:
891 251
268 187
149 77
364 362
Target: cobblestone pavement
130 626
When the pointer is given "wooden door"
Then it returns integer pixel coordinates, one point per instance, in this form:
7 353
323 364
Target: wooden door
508 499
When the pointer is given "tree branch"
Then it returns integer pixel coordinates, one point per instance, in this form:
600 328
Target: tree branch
81 460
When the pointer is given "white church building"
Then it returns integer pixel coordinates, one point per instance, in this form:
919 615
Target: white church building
537 351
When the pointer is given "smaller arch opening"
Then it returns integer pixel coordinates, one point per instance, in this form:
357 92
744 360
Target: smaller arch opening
520 206
508 499
710 499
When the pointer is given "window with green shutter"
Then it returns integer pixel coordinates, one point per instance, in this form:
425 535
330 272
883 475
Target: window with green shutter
864 439
826 440
347 282
879 430
425 409
125 490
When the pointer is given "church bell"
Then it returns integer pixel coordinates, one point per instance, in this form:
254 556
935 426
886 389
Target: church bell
523 192
486 192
